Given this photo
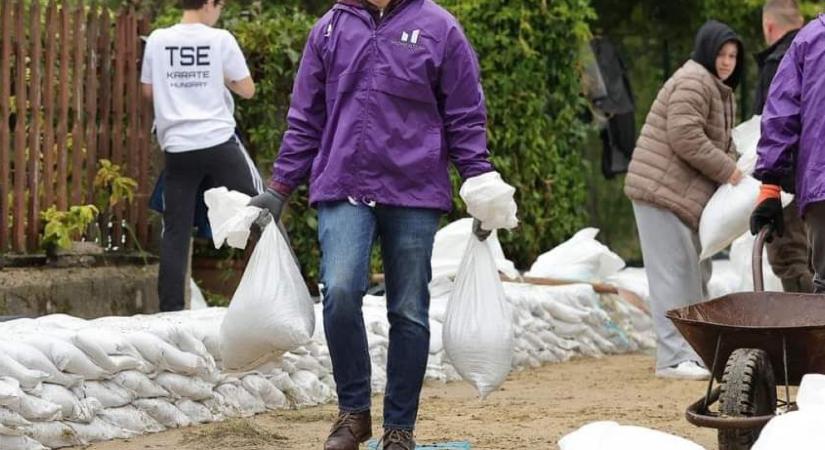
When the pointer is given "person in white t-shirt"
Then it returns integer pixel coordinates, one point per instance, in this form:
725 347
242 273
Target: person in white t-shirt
186 71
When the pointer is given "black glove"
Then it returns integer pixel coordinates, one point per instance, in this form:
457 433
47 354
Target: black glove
480 233
272 202
768 213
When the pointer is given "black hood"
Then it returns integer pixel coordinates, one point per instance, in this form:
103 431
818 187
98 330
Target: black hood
709 40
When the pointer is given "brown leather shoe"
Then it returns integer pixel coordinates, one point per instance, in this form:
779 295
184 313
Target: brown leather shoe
397 440
349 430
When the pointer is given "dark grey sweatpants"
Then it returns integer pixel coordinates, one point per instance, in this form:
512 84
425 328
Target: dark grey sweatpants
227 165
815 220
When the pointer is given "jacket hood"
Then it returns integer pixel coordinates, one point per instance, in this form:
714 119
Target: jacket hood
709 40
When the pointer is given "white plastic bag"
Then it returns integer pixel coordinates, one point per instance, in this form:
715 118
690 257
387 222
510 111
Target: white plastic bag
612 436
490 200
478 329
727 214
271 311
450 243
746 137
229 216
581 258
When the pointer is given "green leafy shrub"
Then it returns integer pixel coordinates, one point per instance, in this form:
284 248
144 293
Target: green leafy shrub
63 227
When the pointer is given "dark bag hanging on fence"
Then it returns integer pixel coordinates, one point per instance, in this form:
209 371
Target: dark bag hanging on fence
619 135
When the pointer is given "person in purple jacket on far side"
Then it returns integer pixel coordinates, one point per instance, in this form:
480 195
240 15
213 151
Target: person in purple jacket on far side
387 94
792 145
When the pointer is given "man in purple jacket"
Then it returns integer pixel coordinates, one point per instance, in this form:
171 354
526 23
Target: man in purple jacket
387 94
793 133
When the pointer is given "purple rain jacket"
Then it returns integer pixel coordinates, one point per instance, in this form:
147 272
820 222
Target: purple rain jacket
380 108
793 123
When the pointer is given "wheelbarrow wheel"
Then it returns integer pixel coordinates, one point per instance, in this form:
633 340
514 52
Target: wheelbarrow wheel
748 389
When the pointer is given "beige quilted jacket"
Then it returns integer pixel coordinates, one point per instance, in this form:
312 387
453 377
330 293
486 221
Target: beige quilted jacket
685 150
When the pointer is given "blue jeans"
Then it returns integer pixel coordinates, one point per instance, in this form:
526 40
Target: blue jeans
347 233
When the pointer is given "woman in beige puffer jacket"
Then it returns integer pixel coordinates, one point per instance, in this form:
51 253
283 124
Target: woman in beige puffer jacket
684 153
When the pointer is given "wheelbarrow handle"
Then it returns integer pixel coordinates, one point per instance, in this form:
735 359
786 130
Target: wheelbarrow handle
758 248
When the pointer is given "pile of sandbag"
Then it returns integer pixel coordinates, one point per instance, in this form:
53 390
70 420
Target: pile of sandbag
67 381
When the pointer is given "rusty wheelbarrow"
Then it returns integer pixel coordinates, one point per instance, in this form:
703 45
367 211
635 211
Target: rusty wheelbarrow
750 341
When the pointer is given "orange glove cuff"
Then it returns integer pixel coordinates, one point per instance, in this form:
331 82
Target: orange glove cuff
769 191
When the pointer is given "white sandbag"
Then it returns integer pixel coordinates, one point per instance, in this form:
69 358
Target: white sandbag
312 386
180 338
490 200
229 216
239 398
6 430
811 394
164 356
283 382
271 311
70 406
140 384
131 419
103 332
436 337
67 357
478 329
90 345
11 418
99 430
19 443
448 251
746 137
163 412
612 436
54 434
726 215
196 298
797 430
109 394
10 392
34 359
266 391
27 379
184 387
35 409
197 412
581 258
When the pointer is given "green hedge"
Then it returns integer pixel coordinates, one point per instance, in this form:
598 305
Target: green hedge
529 56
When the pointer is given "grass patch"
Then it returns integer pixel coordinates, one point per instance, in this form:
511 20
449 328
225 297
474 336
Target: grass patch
237 433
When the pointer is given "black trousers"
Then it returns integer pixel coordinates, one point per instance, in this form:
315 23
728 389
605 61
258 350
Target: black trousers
226 165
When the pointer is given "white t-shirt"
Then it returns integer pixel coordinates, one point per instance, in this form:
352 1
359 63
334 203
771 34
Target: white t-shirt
188 66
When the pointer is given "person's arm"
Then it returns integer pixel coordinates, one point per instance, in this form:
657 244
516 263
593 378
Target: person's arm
461 101
147 91
687 113
244 88
781 121
305 121
146 70
235 71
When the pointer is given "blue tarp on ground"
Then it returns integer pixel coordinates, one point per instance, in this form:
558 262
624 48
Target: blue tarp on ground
463 445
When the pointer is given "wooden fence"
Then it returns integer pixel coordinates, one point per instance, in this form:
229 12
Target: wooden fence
69 96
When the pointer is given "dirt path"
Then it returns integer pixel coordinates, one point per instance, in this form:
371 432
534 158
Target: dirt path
533 410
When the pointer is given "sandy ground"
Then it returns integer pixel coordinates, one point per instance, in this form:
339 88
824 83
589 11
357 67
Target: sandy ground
534 409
